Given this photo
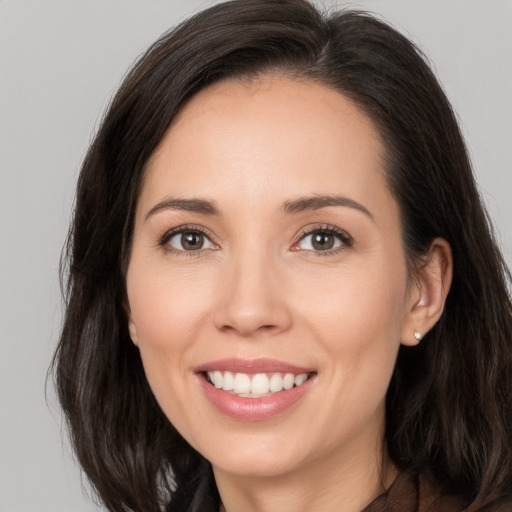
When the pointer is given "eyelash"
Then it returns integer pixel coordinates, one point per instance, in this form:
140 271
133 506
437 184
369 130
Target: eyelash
345 239
164 240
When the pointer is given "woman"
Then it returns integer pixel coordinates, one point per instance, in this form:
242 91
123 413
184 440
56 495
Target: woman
283 292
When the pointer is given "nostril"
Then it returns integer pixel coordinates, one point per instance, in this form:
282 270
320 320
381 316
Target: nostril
268 328
248 316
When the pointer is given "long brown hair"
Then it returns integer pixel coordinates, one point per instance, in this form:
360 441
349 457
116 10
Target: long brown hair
449 405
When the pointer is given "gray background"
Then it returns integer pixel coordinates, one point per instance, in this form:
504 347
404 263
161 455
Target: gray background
60 61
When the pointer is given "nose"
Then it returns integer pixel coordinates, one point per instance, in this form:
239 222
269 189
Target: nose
252 298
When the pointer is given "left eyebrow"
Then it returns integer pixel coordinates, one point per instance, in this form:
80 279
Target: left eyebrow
191 205
303 204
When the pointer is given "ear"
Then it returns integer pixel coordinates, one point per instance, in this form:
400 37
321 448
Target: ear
428 291
132 328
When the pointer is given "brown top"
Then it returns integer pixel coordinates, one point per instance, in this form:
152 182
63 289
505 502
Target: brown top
417 493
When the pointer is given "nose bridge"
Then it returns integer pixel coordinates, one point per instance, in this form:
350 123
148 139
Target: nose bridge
252 299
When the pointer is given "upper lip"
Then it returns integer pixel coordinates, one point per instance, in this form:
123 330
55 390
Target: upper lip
261 365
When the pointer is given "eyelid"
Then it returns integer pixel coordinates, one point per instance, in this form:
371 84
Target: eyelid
164 239
346 239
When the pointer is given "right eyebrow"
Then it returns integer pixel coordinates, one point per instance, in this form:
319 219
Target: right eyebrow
190 205
318 202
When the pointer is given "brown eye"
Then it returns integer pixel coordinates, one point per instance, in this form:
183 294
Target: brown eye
324 240
190 241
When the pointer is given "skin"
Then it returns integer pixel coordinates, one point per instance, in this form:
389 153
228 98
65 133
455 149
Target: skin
258 288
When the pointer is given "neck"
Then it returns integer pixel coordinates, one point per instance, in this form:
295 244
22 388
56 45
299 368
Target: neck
342 477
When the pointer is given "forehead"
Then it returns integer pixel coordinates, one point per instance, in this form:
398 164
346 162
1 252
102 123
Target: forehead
263 139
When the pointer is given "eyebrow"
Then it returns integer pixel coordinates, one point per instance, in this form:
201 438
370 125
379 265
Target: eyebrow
303 204
298 205
190 205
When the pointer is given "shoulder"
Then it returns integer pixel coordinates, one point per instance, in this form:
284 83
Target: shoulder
432 497
501 504
420 492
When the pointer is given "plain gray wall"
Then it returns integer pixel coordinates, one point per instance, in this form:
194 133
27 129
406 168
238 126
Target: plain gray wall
60 61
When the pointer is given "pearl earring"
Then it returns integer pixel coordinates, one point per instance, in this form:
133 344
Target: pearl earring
417 335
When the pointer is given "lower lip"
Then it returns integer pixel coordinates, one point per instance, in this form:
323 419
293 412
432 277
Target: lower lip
253 409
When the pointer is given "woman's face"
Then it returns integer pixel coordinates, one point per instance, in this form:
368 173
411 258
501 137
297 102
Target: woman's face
267 249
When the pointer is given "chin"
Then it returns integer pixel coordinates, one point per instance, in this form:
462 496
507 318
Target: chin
254 456
266 466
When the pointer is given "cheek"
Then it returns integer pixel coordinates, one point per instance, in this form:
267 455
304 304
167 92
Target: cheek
359 304
165 307
167 311
358 319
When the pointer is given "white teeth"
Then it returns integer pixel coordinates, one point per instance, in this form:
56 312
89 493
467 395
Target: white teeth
257 385
217 379
228 383
300 379
288 381
276 383
242 383
260 384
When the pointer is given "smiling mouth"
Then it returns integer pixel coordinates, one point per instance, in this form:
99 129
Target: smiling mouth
256 385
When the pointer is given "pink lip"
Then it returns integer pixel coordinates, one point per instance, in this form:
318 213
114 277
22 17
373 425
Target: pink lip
253 409
251 366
